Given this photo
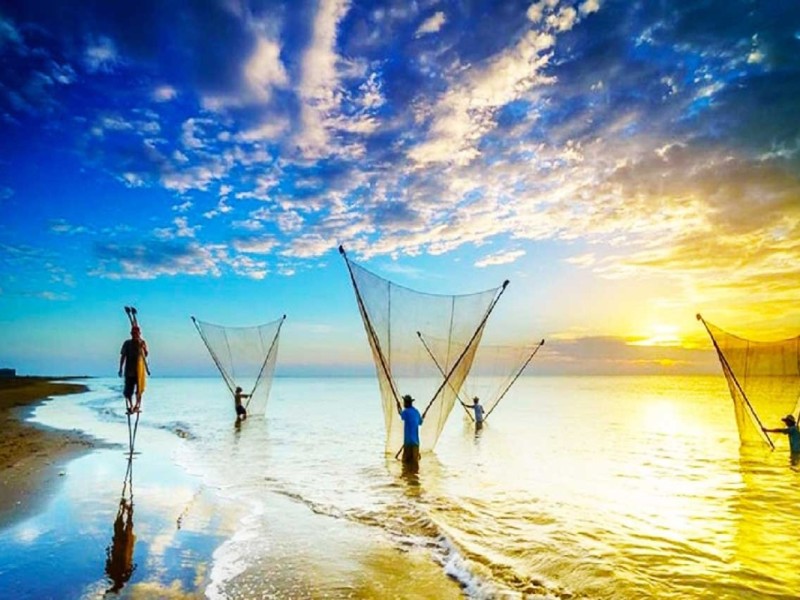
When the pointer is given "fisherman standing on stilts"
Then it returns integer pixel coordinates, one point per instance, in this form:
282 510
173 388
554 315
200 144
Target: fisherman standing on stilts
132 357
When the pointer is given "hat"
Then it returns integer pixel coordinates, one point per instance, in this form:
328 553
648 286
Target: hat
789 420
408 398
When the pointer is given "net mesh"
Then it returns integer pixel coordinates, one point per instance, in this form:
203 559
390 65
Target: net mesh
245 357
763 378
392 315
494 370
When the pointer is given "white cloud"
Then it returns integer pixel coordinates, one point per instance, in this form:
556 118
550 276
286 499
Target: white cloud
270 129
157 258
62 226
432 24
164 93
101 56
310 245
262 73
371 93
290 221
248 224
132 180
564 20
184 207
500 258
190 130
262 245
182 228
465 113
319 83
264 69
197 178
222 208
248 267
589 7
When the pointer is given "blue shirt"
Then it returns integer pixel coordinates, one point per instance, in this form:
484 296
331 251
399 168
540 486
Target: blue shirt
478 413
794 438
411 422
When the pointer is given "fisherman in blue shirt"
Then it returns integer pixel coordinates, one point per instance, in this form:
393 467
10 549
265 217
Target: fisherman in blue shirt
411 423
792 431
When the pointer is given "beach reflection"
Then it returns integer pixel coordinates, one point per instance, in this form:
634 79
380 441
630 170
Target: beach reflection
119 554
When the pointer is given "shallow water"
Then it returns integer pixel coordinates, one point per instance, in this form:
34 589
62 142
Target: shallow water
588 487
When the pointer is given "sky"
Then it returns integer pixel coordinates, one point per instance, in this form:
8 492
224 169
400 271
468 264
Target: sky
624 164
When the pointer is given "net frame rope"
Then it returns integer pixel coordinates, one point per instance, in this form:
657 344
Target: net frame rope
263 378
389 335
504 373
763 379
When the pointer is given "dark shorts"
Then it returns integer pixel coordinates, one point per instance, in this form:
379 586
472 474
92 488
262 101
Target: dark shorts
241 410
411 454
130 386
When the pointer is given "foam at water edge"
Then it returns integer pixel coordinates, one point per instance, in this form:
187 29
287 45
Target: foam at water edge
230 559
455 567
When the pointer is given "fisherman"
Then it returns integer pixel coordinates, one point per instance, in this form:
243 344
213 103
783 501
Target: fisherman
411 423
241 411
792 431
476 406
132 356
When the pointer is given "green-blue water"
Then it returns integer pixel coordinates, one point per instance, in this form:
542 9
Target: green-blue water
584 487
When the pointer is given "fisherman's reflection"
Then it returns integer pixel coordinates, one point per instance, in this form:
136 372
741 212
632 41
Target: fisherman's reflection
119 554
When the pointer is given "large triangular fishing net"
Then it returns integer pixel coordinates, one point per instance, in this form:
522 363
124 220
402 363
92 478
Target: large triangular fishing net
392 315
495 369
763 378
245 357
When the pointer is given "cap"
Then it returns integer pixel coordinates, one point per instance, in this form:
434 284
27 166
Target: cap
408 398
789 420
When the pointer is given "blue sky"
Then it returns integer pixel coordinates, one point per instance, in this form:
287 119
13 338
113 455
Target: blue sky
624 164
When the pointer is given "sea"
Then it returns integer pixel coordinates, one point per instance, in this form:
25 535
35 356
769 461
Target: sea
576 487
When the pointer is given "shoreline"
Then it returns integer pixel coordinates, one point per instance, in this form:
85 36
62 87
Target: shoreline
31 455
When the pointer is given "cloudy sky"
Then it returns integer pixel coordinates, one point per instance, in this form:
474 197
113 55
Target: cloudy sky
625 164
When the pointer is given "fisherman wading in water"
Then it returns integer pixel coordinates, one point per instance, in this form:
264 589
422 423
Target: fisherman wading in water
241 411
478 411
411 423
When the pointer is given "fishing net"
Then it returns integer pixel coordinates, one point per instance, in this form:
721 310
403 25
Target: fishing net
763 378
245 357
392 316
494 370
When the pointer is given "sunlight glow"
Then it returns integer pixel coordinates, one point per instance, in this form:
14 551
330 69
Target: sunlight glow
661 335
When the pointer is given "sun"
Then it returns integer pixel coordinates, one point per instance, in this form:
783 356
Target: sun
660 335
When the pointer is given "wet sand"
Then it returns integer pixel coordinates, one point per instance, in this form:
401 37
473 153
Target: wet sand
32 456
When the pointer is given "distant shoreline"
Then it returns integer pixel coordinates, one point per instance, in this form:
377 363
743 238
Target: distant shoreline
32 456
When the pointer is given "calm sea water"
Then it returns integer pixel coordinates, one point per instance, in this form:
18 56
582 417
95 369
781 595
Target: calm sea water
584 487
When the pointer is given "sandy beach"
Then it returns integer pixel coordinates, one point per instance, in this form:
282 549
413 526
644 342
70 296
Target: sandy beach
31 456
